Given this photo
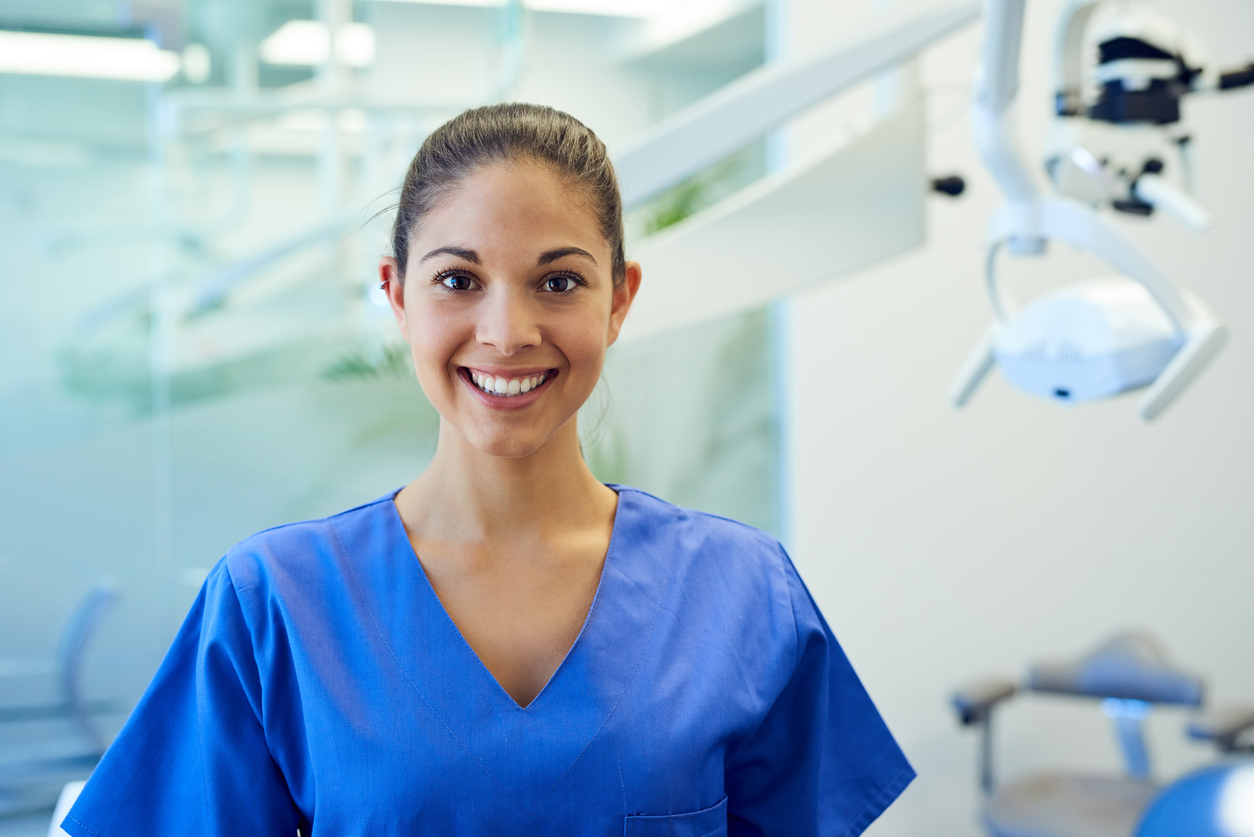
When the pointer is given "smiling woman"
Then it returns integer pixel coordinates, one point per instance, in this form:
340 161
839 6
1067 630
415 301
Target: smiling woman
513 280
505 645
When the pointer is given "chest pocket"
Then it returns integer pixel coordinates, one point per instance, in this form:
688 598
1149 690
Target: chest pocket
708 822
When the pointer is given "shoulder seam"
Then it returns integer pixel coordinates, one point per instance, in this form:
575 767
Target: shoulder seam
327 519
740 523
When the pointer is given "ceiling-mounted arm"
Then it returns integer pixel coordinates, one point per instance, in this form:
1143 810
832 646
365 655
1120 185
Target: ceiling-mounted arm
998 82
992 125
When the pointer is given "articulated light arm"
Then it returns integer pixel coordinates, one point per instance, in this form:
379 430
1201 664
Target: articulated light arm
1029 219
992 122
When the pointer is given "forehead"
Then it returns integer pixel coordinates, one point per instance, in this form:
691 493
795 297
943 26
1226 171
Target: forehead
521 205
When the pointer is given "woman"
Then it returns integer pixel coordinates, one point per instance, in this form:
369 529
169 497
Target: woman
505 645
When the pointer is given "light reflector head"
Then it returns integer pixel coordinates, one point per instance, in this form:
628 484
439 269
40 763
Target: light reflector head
1087 341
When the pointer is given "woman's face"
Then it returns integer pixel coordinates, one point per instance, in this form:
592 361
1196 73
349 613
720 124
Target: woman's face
508 306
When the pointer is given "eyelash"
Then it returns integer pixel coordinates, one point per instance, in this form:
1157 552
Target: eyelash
579 281
440 276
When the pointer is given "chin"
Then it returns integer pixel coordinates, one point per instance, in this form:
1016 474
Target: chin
506 446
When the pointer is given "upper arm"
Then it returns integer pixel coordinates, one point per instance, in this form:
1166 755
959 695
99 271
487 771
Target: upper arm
822 761
193 757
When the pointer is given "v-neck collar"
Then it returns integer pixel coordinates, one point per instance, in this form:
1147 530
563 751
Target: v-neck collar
434 603
526 751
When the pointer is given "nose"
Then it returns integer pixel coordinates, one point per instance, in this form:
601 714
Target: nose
508 321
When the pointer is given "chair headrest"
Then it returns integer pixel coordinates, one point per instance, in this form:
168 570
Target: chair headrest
1130 666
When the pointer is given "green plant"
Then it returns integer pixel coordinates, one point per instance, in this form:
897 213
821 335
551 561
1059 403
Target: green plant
392 362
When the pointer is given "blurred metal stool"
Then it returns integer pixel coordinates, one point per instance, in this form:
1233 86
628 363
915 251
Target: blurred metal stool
33 778
1129 673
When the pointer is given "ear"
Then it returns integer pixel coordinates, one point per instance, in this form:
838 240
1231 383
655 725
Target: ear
623 296
390 279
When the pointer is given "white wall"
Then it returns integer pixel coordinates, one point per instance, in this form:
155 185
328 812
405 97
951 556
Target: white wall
945 545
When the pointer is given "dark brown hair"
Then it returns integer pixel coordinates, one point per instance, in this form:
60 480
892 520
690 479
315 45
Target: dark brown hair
507 133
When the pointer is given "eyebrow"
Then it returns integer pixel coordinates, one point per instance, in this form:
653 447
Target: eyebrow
550 256
547 257
460 252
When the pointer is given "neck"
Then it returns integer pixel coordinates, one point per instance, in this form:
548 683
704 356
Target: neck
466 495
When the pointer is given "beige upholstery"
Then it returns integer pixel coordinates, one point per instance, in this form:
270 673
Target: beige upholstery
1062 805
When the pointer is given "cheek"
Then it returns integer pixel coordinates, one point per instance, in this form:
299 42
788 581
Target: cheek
433 338
584 347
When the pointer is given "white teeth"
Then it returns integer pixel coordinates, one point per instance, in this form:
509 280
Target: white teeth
506 387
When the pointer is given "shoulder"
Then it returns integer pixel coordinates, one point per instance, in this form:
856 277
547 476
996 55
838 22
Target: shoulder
702 532
302 553
686 536
738 566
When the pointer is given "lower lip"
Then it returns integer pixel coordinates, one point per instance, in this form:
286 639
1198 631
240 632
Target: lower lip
510 402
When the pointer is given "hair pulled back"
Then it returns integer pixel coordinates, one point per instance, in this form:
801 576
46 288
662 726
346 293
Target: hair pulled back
506 133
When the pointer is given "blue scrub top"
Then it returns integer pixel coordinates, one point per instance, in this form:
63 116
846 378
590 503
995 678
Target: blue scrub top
319 683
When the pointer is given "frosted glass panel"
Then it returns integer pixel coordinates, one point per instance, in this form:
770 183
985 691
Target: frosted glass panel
691 417
190 351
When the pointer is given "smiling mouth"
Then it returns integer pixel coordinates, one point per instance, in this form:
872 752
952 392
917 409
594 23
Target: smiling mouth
506 387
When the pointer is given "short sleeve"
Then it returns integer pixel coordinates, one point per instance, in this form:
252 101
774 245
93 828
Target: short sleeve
192 759
822 762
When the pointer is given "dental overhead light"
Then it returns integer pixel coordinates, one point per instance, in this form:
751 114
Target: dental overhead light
1097 338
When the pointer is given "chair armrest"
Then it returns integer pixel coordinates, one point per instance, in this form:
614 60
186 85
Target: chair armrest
69 795
1224 726
976 700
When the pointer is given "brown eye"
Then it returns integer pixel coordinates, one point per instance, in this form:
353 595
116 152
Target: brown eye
560 284
457 282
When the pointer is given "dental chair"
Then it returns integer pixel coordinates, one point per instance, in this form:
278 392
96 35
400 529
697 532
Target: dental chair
1129 674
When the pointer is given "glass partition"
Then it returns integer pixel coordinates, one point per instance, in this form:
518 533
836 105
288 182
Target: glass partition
192 349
